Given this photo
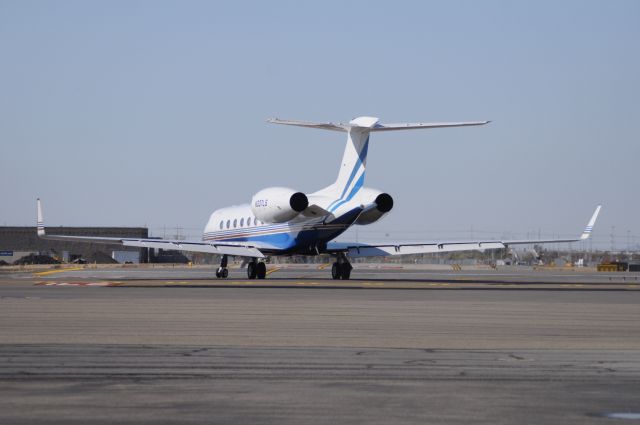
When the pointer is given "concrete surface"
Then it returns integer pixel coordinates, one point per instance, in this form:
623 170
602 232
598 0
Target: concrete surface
146 351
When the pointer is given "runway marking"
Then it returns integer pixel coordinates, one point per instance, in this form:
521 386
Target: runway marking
275 269
75 284
48 272
323 266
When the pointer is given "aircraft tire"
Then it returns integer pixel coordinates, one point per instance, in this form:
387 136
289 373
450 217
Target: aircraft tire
225 273
346 272
261 270
251 270
336 271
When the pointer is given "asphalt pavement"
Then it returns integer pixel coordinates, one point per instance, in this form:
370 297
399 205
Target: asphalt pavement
171 346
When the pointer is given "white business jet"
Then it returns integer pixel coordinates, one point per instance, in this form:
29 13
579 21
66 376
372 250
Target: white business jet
284 221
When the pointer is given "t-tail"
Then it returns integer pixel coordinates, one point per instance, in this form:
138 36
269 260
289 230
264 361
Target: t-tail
352 170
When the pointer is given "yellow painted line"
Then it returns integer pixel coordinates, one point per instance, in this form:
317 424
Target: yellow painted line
275 269
323 266
48 272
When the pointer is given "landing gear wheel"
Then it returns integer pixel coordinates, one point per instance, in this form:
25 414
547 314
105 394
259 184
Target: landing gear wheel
336 271
252 271
222 272
341 269
346 271
261 270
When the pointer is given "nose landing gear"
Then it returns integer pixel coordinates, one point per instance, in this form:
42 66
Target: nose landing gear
341 269
222 271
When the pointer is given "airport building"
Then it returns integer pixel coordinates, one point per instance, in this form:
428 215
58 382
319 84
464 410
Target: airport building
20 242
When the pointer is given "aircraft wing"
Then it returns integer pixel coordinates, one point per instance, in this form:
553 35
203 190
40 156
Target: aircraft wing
179 245
355 250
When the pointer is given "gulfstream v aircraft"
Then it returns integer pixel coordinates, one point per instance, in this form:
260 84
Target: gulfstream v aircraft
284 221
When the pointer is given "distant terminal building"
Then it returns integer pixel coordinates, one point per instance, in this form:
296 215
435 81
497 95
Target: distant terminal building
19 242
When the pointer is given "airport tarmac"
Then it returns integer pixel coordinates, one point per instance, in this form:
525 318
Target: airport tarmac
173 345
363 276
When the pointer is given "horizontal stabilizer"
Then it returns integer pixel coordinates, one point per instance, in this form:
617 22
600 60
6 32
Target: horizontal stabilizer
417 126
374 124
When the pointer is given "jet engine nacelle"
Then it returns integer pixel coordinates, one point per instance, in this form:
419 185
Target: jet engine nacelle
383 201
278 204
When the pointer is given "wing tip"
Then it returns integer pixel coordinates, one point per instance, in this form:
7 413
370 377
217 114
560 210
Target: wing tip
589 228
39 219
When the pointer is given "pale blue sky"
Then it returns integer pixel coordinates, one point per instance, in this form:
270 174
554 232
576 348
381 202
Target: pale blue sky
132 113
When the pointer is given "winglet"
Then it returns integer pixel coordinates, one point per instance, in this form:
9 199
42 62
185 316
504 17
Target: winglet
589 228
40 222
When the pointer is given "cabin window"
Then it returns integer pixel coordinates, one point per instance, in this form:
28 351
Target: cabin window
228 223
242 222
221 224
248 221
235 223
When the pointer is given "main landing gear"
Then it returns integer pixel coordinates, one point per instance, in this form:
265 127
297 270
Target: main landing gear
223 271
341 269
256 269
